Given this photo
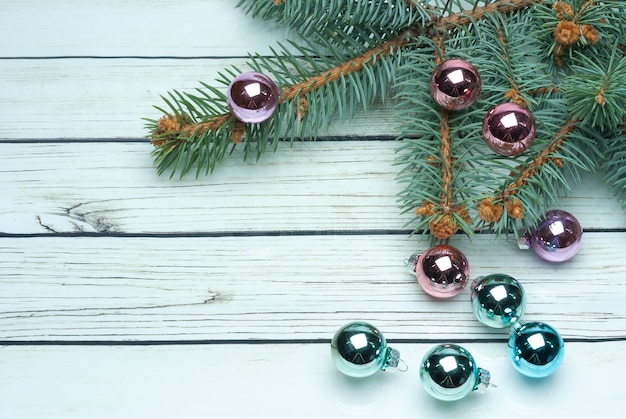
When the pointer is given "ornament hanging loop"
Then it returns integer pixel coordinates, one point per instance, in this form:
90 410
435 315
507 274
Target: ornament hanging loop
393 362
483 381
410 262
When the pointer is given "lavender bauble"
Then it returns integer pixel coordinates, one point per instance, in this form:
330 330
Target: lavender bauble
252 97
442 271
455 84
509 129
557 238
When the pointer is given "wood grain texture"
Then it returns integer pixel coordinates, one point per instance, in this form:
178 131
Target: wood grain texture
323 186
286 288
100 98
139 28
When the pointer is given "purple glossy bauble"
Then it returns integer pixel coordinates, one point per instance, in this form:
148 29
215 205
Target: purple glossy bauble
442 271
252 97
455 84
509 129
557 237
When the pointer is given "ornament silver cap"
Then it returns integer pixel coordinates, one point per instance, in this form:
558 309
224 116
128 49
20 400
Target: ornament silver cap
393 361
523 240
411 261
483 381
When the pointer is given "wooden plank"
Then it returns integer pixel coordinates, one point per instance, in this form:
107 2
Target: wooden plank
288 287
329 186
287 381
85 98
137 28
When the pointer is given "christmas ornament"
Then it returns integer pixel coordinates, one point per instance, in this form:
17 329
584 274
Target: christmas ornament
442 271
323 80
536 349
509 129
556 238
455 84
252 97
449 372
359 349
498 300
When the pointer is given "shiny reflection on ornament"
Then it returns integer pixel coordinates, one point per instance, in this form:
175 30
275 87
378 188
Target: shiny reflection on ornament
449 363
253 89
557 228
499 293
509 120
536 341
359 341
444 263
456 76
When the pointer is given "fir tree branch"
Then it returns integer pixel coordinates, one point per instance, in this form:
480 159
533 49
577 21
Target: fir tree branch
351 66
195 132
467 16
535 165
504 206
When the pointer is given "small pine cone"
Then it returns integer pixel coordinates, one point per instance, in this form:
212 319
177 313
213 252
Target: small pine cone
443 227
426 209
514 209
558 162
563 10
590 34
169 124
490 212
566 33
237 132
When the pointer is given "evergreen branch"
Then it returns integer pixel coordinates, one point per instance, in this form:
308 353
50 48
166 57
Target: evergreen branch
595 94
344 69
615 166
308 17
477 13
202 127
535 165
516 199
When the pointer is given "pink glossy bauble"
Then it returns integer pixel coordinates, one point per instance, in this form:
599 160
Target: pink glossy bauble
455 84
509 129
252 97
442 271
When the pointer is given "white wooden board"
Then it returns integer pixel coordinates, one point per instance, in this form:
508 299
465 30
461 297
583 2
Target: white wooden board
287 381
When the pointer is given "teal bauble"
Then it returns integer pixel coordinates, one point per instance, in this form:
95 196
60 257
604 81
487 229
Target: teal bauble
359 349
536 349
498 300
449 372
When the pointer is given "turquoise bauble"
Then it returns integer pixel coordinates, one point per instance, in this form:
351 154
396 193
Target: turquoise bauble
359 349
498 300
536 349
449 372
